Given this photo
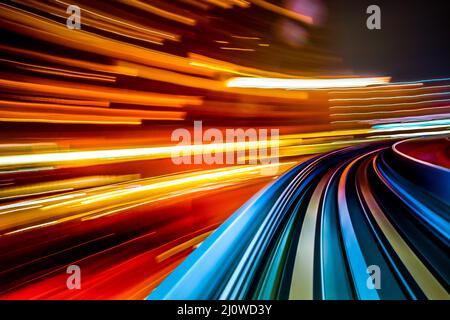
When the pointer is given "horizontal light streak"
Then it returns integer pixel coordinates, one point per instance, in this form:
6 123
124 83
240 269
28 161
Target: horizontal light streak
32 227
88 114
28 24
392 97
41 188
280 83
387 111
22 118
423 81
228 67
38 202
202 83
121 197
83 91
380 89
391 104
286 142
50 100
117 154
408 119
160 12
115 20
194 178
246 38
59 71
414 134
283 11
413 124
237 49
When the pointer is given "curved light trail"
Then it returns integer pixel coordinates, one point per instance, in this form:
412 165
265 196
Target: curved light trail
314 232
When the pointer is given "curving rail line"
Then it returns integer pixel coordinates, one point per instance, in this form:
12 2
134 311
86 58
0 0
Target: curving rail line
365 222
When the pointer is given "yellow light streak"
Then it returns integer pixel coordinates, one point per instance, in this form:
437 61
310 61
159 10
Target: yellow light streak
121 154
237 49
160 12
282 11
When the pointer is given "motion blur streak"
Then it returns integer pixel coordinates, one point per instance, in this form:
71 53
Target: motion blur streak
284 243
87 175
305 84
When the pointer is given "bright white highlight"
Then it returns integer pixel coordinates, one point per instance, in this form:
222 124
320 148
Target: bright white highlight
299 84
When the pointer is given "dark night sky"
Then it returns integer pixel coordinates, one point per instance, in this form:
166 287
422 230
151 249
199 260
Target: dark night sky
414 42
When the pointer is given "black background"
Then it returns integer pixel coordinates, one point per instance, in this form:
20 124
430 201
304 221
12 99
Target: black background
413 43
